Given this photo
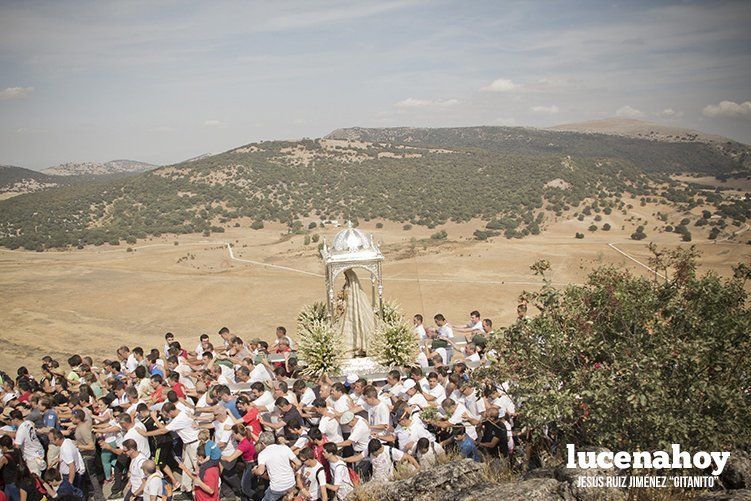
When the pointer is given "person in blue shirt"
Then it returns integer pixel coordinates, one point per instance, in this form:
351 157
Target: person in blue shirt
467 446
49 417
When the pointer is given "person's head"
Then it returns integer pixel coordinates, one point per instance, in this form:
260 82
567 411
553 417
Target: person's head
141 372
470 349
468 390
169 338
75 361
138 353
6 443
439 320
359 386
306 456
393 377
172 362
347 419
403 416
474 317
283 404
375 447
242 403
433 380
416 373
370 394
319 405
487 325
56 437
16 417
324 390
77 416
330 452
281 388
204 436
204 340
459 433
337 390
239 432
131 448
492 414
257 389
423 445
142 410
169 410
52 477
281 332
224 332
126 422
315 435
156 381
236 343
417 319
448 405
148 467
266 438
242 374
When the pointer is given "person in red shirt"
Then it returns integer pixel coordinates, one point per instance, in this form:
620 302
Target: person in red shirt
250 416
176 385
206 487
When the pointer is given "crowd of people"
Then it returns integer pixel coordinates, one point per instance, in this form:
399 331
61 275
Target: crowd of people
225 420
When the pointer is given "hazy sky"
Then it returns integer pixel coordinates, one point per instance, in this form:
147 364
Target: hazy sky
165 80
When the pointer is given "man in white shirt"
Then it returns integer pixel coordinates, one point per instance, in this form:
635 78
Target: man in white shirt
276 460
153 486
474 325
263 399
458 415
328 424
71 463
382 458
410 430
419 328
436 393
379 412
360 435
135 470
185 426
281 333
340 402
26 440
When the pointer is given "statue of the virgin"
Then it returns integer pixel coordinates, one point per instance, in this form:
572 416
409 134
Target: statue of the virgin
358 321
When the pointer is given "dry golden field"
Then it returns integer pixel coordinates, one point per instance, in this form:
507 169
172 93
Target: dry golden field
91 301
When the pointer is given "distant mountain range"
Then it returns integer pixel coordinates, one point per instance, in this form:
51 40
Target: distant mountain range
513 178
99 169
17 180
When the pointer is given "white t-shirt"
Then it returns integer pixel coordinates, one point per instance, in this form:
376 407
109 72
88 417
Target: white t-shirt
444 354
411 435
379 414
331 428
277 458
456 418
185 427
69 453
131 363
417 399
265 402
420 331
505 405
439 392
422 359
307 397
142 443
383 464
445 331
315 477
259 374
340 477
27 441
475 357
477 326
360 435
153 486
136 473
222 435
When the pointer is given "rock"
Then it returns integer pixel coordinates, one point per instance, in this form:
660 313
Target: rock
571 476
539 489
540 473
439 483
739 495
737 472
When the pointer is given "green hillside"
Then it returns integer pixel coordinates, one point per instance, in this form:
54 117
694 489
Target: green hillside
446 174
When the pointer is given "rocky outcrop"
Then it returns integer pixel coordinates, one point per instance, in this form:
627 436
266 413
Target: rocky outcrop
737 472
575 476
739 495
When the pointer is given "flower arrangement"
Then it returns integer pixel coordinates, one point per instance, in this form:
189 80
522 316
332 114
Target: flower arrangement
394 345
314 312
320 347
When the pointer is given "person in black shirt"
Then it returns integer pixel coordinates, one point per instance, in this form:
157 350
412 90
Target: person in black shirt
163 454
494 439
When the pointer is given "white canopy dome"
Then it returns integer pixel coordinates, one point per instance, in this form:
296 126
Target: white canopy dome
351 240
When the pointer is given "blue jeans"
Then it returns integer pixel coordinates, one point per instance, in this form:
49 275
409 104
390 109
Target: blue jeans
270 495
12 492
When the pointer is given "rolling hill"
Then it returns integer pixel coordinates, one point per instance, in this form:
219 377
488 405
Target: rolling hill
509 177
17 180
98 169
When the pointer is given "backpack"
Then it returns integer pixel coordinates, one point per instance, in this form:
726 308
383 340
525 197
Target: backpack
354 478
167 490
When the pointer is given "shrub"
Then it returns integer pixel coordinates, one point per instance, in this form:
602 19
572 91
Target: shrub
631 363
686 236
312 225
639 234
306 240
439 235
579 235
256 225
606 227
407 227
592 227
379 225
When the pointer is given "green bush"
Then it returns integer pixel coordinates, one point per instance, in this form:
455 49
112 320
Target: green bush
579 235
439 235
630 363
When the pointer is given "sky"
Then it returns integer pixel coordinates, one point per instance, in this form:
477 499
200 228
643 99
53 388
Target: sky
163 81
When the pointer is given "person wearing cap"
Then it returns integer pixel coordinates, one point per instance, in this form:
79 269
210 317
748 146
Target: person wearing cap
359 436
410 429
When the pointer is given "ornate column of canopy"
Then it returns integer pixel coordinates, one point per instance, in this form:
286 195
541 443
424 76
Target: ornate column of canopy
353 248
